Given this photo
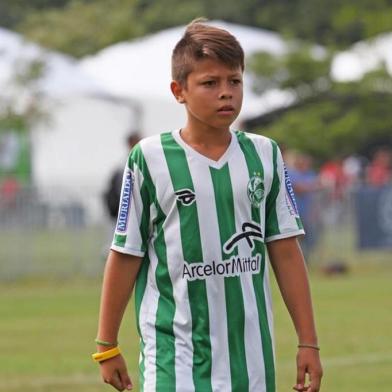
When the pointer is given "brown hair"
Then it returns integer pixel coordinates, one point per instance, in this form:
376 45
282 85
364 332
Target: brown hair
202 41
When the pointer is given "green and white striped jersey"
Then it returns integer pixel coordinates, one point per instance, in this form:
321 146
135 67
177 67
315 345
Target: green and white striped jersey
202 295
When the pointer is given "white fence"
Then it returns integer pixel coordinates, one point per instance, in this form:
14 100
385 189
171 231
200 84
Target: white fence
40 237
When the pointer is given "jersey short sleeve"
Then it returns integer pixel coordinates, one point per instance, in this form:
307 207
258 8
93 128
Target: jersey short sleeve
132 227
282 218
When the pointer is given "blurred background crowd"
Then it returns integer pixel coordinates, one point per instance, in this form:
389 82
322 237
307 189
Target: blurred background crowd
340 189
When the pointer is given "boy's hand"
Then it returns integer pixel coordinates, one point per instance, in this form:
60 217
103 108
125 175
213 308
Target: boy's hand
308 362
114 372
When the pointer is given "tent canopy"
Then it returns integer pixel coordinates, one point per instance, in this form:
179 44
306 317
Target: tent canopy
141 70
61 77
363 57
142 67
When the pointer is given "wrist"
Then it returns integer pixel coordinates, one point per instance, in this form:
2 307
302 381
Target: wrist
104 345
308 338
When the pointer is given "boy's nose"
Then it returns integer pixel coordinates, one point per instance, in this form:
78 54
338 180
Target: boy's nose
225 95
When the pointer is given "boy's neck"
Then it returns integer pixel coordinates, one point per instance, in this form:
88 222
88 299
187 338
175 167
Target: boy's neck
211 143
206 137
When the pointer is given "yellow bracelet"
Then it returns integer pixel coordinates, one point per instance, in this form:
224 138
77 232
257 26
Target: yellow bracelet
104 355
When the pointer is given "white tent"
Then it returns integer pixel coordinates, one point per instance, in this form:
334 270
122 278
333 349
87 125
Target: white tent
83 139
140 70
363 57
61 77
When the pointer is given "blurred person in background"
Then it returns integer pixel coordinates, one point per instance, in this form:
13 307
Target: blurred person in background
353 169
379 172
306 185
112 194
9 190
333 176
335 182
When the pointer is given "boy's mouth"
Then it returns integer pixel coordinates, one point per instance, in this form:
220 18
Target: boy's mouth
226 109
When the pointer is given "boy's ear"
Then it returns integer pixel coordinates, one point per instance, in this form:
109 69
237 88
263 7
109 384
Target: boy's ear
177 89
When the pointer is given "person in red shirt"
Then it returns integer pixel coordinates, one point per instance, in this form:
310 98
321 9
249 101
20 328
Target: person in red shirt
379 171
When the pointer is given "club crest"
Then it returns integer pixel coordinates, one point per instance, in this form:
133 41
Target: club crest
256 190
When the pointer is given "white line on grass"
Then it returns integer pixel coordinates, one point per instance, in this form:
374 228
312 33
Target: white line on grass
89 379
358 359
39 382
352 360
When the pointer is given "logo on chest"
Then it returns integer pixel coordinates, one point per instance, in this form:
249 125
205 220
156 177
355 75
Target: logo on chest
250 232
255 190
185 196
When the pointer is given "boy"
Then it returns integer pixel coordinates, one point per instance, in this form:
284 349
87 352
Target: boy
199 206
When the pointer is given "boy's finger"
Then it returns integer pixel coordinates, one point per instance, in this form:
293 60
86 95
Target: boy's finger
300 388
300 378
315 381
126 381
116 382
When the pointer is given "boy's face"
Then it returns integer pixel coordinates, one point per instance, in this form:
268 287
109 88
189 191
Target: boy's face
212 95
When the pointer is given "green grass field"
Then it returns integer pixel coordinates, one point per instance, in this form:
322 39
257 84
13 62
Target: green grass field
47 330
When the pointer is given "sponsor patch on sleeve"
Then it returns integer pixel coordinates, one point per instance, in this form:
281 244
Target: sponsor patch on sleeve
290 197
125 203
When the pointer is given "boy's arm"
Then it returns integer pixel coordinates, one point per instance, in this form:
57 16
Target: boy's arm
289 267
119 279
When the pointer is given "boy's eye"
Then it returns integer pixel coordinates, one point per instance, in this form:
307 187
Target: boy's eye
236 81
209 83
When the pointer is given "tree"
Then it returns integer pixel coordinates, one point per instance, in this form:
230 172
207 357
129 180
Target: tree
158 15
328 119
21 108
83 27
328 22
21 98
13 12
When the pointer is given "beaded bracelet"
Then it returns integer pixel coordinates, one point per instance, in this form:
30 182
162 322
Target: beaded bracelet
313 346
105 343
